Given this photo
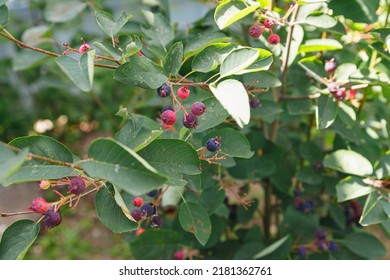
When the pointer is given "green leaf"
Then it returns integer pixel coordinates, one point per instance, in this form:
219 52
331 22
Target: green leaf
269 111
194 218
262 79
204 40
352 187
27 59
80 72
262 63
113 161
173 59
349 162
319 45
234 98
210 57
382 167
373 211
160 31
365 245
141 72
10 162
229 12
356 10
17 239
133 46
111 214
326 111
310 176
172 156
271 248
211 198
311 152
108 24
343 72
34 169
321 20
4 16
233 143
238 60
214 115
108 49
155 245
313 66
62 11
336 212
300 107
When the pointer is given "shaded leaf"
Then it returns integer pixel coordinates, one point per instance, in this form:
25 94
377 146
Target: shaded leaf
365 245
382 167
173 59
62 11
326 111
352 187
356 10
108 24
271 248
4 16
10 161
373 211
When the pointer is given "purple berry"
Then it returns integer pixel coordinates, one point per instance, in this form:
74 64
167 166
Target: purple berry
322 245
330 65
169 107
302 251
333 247
297 203
190 120
321 234
76 185
52 218
198 108
164 90
256 30
136 214
152 193
319 165
333 87
147 210
213 144
254 103
156 221
339 95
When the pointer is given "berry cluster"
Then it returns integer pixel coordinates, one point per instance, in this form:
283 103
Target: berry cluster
352 211
333 87
168 113
320 244
304 205
257 29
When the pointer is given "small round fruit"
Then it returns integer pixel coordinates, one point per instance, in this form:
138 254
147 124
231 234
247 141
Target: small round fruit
254 103
136 214
190 120
138 201
333 87
179 255
274 39
44 184
76 185
168 117
351 94
198 108
321 234
152 193
164 90
269 23
256 30
213 144
339 95
302 252
183 92
147 210
52 217
156 221
39 205
322 245
330 65
84 47
139 231
169 107
333 247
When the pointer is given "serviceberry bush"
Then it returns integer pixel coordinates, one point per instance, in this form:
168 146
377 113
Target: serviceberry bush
268 137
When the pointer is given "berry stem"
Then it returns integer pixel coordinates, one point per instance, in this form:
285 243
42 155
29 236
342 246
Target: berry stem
9 214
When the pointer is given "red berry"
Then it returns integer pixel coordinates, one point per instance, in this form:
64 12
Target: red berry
183 92
138 201
340 94
139 231
76 185
274 39
84 47
330 65
351 94
168 117
39 205
198 108
269 23
179 255
256 30
52 217
136 214
333 87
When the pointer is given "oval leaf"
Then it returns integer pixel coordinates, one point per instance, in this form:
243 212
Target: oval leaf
238 60
108 24
62 11
202 41
349 162
4 16
10 162
373 211
209 58
17 239
321 20
194 218
365 245
173 59
271 248
318 45
229 12
351 187
382 168
326 111
234 98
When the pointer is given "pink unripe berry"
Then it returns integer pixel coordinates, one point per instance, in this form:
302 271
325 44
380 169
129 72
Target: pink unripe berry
198 108
269 23
84 47
274 39
330 65
340 94
183 92
138 201
256 30
39 205
44 184
139 231
351 94
168 117
179 255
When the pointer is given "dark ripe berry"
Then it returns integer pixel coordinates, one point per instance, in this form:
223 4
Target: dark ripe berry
307 206
198 108
168 117
333 87
319 165
139 231
333 247
330 65
274 39
297 203
156 221
269 23
322 245
52 218
164 90
76 185
39 205
190 120
147 210
183 92
136 214
169 107
254 103
297 192
256 30
138 201
302 252
321 234
213 144
152 193
339 95
179 255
